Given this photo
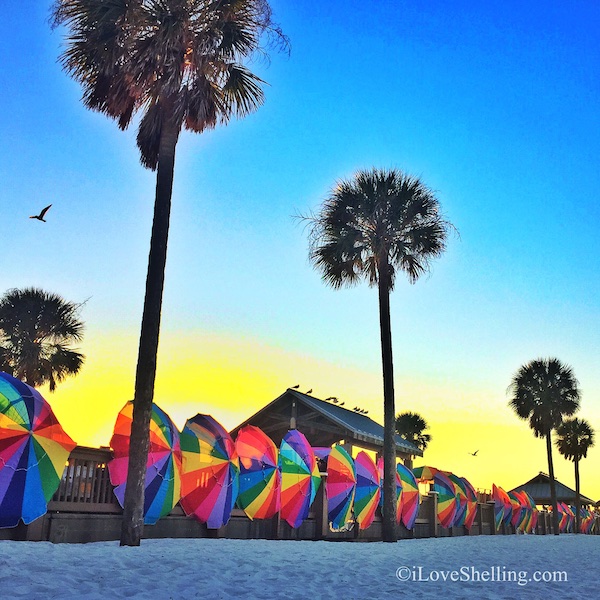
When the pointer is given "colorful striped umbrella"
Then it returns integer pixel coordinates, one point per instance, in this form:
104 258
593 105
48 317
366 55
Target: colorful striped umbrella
299 477
210 471
260 479
33 451
368 491
340 487
518 510
460 492
503 509
471 504
427 473
163 467
410 496
447 504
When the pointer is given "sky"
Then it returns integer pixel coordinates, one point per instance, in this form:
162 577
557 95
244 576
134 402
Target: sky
494 105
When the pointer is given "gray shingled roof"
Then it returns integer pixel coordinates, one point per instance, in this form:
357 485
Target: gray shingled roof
539 489
361 425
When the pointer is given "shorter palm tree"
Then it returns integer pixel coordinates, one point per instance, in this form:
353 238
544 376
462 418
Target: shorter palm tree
575 437
37 329
543 392
411 426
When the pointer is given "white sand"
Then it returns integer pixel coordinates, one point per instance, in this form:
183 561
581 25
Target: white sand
221 568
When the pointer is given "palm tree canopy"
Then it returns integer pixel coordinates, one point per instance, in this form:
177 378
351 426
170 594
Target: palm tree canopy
575 438
379 219
411 426
169 59
543 392
37 329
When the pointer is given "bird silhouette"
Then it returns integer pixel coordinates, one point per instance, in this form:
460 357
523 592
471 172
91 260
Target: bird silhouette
342 403
295 387
40 217
309 391
474 453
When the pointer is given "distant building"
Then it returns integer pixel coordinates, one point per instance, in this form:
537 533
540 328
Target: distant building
324 423
539 489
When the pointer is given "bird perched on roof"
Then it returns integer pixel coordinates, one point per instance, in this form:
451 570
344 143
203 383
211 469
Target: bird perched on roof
342 403
295 387
309 391
40 217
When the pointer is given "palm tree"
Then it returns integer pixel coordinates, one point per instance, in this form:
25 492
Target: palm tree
575 437
180 64
369 227
543 392
411 426
37 329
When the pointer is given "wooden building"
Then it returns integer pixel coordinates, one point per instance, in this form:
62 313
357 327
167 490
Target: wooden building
324 423
539 489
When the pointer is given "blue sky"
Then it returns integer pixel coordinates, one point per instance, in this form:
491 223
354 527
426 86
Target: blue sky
494 105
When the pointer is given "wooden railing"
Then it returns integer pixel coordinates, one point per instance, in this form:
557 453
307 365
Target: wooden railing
85 491
85 485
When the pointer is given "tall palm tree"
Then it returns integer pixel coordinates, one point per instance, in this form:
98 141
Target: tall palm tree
37 329
369 227
575 438
411 426
180 64
543 392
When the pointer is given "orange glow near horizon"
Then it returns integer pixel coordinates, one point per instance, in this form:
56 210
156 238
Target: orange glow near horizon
231 379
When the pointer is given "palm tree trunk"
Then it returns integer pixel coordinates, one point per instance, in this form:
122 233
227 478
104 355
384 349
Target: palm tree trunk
389 533
577 497
133 507
552 483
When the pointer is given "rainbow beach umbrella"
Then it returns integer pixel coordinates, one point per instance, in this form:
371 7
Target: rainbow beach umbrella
368 490
471 504
410 496
299 477
447 504
163 467
340 487
210 471
33 451
460 492
260 479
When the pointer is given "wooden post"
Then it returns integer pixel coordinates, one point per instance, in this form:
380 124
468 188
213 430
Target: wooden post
433 520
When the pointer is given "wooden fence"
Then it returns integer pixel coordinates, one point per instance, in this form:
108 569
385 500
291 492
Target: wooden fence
84 509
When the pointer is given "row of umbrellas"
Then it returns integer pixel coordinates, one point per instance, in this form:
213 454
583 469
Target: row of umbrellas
353 489
208 473
516 508
566 521
457 499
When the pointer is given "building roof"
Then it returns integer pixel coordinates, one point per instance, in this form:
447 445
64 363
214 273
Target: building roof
323 423
539 489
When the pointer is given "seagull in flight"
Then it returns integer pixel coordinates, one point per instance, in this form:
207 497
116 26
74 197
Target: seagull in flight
474 453
40 217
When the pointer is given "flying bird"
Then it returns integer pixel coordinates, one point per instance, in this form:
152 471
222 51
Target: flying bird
40 217
474 453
